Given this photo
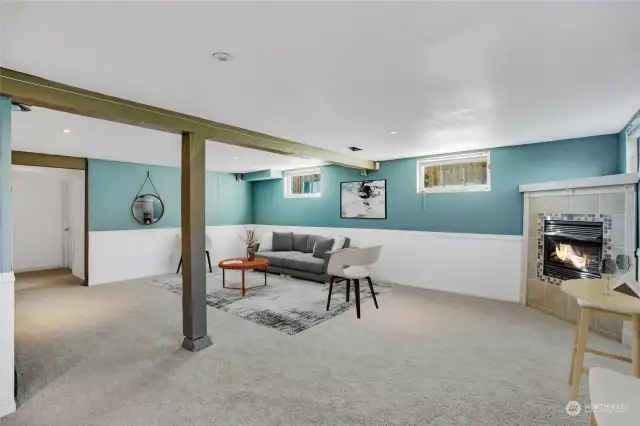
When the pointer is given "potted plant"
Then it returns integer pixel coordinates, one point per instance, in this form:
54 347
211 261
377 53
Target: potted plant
250 239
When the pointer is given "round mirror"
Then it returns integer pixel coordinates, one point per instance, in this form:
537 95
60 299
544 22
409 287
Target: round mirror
147 209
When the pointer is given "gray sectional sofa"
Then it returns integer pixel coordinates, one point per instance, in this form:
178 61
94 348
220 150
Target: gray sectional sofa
299 255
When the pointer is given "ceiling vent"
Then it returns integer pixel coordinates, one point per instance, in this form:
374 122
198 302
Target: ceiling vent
355 148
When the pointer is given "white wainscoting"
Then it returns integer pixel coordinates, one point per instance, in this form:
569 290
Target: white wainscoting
7 403
129 254
452 262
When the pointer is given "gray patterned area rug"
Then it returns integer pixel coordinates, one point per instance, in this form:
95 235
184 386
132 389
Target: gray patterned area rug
288 305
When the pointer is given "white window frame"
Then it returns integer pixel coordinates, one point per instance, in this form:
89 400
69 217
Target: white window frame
301 172
453 159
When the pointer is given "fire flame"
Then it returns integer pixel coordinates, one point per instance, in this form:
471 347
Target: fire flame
566 254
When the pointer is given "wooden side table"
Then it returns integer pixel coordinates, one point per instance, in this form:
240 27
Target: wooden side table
257 263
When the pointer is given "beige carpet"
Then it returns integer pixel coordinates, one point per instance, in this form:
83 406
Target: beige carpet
110 355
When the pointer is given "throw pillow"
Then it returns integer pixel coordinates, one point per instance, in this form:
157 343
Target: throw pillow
282 241
310 243
338 243
322 246
300 242
266 242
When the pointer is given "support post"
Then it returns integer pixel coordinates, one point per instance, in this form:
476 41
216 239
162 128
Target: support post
7 401
194 285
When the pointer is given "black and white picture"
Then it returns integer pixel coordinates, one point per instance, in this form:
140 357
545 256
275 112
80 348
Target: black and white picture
365 199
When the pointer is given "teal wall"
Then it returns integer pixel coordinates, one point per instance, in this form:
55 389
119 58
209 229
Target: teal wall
6 249
113 186
622 151
498 211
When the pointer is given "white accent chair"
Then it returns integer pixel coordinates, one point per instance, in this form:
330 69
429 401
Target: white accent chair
614 397
350 264
206 251
580 342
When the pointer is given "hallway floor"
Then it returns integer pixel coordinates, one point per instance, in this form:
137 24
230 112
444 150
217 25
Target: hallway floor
110 355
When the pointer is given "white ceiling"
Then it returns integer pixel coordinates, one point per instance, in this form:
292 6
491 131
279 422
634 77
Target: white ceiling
41 130
445 76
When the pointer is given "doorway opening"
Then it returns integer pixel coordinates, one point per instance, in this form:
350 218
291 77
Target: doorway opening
48 212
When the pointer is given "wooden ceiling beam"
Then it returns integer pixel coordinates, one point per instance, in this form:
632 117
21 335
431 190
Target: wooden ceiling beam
44 93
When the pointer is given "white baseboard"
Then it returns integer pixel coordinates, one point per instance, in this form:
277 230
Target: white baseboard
40 268
7 409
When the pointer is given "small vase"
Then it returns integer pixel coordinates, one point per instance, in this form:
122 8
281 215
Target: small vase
251 253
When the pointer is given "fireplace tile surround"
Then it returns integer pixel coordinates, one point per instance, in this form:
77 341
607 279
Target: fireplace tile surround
610 200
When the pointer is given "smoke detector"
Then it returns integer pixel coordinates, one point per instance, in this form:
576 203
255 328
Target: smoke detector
223 57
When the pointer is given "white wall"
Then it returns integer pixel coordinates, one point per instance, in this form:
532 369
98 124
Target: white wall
123 255
38 197
7 403
456 263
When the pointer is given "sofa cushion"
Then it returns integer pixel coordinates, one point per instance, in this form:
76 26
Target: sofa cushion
300 242
322 246
276 258
310 242
282 241
266 242
304 262
338 243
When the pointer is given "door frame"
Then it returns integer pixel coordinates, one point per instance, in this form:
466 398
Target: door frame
23 158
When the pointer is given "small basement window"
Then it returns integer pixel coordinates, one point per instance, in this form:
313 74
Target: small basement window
455 173
303 183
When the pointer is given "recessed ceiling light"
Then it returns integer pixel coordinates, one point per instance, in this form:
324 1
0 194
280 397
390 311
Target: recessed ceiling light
393 132
237 158
223 57
66 131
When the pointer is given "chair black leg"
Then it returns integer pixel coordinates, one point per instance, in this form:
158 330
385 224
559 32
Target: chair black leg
348 289
330 290
179 265
209 261
373 293
357 288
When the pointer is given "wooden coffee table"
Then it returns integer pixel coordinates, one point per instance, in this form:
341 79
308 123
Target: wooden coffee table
257 263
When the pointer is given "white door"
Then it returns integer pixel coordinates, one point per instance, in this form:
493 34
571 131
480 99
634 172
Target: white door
75 222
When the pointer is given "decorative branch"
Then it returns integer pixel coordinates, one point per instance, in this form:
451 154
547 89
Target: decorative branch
250 237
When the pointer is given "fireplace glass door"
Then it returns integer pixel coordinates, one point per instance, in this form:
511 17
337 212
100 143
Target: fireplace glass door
572 249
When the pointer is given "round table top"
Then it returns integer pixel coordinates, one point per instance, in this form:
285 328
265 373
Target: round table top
258 262
593 291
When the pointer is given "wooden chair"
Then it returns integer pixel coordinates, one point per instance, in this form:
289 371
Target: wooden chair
349 264
580 342
614 398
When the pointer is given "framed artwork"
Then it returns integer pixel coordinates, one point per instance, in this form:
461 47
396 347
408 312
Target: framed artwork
364 199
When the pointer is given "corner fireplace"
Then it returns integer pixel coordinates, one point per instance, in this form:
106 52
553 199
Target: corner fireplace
572 249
